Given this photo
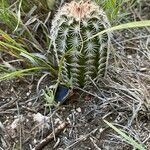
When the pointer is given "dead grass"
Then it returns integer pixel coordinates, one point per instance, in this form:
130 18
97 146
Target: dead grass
122 98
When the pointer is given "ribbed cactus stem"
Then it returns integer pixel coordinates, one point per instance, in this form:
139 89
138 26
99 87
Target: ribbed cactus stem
72 28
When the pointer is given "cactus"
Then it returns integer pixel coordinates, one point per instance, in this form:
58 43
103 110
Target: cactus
72 27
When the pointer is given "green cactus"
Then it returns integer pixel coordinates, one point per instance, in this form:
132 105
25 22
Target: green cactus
72 27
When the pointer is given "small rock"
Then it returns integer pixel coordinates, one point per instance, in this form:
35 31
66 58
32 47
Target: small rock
57 121
143 69
79 110
138 57
29 104
16 122
41 120
35 141
28 93
129 56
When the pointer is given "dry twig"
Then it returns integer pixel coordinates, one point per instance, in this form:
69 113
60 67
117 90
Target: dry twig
50 137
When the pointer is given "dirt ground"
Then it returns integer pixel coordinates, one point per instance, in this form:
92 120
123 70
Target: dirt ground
122 98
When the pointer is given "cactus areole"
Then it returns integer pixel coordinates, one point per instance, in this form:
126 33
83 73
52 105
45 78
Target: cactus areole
73 27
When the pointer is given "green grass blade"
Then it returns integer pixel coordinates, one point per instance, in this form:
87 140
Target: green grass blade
19 15
128 139
19 73
136 24
13 47
38 60
3 68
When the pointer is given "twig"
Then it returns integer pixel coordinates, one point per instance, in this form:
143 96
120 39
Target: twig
50 137
97 148
52 123
80 139
29 109
9 104
20 126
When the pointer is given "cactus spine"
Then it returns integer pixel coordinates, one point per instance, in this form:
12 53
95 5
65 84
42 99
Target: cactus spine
73 26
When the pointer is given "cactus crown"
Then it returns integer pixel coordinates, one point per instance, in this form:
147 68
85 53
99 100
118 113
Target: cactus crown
73 26
79 10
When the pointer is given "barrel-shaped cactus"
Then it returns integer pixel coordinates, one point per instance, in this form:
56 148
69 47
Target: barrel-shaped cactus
72 31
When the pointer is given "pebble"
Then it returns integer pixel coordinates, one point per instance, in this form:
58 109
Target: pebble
129 57
143 69
28 93
79 110
29 104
